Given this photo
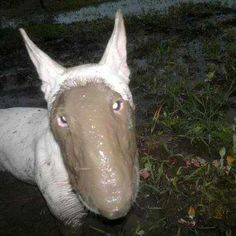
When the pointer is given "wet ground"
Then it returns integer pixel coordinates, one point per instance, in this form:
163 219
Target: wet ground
93 10
23 211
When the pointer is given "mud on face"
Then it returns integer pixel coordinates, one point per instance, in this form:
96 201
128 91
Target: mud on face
95 129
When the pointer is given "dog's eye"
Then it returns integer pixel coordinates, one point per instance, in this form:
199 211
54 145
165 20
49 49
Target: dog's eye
61 121
117 106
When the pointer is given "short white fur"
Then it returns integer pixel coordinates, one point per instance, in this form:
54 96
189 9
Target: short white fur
112 70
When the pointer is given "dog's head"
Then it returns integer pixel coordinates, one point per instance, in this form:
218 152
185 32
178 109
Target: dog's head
92 119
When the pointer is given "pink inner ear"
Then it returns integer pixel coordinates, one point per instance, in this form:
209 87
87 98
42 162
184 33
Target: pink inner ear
46 89
125 69
115 54
49 71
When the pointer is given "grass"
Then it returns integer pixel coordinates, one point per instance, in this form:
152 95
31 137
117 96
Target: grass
190 82
198 116
187 174
194 193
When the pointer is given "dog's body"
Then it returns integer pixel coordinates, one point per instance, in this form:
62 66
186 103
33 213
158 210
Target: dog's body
19 128
29 151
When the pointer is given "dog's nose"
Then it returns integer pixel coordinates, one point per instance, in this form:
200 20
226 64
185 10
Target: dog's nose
114 214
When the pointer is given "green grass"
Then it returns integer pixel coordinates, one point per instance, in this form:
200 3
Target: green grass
190 78
199 115
184 182
190 85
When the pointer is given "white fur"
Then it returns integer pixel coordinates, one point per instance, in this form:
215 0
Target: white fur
111 70
28 151
98 73
27 147
49 71
115 55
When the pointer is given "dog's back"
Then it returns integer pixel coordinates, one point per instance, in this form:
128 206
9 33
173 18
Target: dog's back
19 130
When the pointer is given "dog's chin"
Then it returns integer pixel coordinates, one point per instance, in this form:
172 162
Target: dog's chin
89 206
112 214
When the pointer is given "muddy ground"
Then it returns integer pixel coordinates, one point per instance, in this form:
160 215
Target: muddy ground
23 211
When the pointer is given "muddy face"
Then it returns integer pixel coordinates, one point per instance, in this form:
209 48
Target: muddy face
95 129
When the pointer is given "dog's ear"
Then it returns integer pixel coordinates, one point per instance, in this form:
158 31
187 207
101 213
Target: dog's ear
115 55
49 71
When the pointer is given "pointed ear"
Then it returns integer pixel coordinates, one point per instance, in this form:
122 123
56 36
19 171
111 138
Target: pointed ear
49 71
115 55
